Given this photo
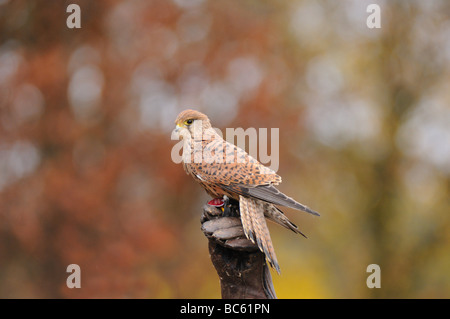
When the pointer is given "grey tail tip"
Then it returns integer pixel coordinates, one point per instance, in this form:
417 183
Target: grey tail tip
273 264
276 267
309 210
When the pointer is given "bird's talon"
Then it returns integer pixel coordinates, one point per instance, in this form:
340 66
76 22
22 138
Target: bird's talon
227 206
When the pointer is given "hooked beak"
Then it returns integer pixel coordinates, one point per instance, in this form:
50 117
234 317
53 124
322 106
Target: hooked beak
176 132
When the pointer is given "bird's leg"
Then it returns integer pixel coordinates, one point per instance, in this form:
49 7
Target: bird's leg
227 211
231 207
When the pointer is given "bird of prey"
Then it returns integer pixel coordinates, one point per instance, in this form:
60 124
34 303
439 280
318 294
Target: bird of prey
227 172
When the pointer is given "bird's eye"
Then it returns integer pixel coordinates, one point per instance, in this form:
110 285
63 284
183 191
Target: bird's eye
189 122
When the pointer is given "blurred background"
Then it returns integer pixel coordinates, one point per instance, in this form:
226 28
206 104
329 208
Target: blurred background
86 115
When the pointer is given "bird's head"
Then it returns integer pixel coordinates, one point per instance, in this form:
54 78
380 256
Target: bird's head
193 121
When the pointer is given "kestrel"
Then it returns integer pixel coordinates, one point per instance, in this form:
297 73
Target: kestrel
227 172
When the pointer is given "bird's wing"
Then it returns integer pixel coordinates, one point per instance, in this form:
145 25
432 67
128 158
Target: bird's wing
227 164
231 168
270 194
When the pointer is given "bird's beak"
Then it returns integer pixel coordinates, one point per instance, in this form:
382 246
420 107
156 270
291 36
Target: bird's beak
176 132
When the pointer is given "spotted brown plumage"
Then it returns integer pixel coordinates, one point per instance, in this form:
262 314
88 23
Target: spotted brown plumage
224 169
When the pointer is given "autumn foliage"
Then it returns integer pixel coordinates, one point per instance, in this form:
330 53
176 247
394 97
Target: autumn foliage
86 175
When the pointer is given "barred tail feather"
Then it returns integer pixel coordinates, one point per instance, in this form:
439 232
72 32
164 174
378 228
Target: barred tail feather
255 228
